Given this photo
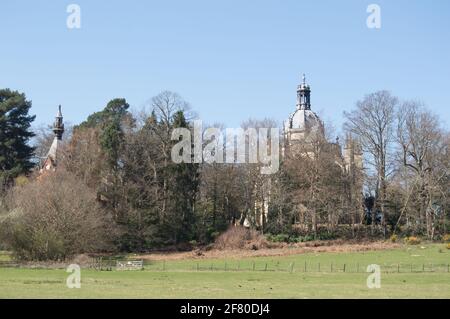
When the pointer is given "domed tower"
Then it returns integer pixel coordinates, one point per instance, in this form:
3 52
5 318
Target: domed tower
303 95
303 125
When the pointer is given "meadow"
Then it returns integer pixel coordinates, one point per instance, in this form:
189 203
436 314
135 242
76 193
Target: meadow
420 271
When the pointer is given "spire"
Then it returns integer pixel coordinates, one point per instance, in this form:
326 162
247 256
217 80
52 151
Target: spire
59 114
303 95
58 125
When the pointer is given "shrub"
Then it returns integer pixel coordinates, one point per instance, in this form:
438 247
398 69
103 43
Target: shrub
214 234
279 238
446 238
393 238
326 236
285 238
237 237
53 218
21 180
412 240
193 243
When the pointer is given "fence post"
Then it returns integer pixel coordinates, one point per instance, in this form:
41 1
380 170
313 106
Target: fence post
448 267
344 267
197 266
253 266
305 265
398 268
265 268
331 267
423 267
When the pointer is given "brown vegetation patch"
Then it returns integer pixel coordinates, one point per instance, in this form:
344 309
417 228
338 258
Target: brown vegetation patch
238 237
278 250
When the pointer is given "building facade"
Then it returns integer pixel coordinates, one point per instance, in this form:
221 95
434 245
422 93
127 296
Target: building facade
50 162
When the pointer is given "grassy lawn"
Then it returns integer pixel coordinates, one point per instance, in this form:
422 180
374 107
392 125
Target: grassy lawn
273 277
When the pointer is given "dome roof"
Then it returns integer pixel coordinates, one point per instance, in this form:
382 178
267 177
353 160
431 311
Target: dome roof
305 120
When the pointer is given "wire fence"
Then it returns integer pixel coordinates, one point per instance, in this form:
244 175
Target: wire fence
275 266
110 264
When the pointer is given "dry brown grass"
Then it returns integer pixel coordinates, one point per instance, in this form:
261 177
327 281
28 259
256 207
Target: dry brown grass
279 250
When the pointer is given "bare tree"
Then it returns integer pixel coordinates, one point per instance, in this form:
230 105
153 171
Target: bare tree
44 138
421 150
318 182
372 122
255 186
83 156
164 107
55 217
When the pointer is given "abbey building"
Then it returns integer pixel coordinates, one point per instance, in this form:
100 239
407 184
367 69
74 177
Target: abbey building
303 136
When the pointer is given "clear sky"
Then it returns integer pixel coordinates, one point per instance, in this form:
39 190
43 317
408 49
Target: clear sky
231 59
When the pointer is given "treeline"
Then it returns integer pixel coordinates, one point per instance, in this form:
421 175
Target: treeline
116 187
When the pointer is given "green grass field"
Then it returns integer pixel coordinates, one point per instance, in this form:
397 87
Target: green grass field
407 272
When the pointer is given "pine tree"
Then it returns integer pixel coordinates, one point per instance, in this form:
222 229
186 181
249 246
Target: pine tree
184 184
15 122
109 123
116 109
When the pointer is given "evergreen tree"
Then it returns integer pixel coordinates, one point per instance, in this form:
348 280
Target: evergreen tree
184 184
115 109
111 140
109 122
15 122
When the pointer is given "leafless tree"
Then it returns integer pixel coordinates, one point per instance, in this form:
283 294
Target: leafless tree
44 138
315 170
372 122
422 148
164 106
83 156
55 217
254 185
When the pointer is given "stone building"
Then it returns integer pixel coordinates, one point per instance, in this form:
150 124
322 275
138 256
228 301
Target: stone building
301 131
51 160
304 127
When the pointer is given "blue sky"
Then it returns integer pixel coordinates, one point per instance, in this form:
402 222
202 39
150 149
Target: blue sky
230 59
